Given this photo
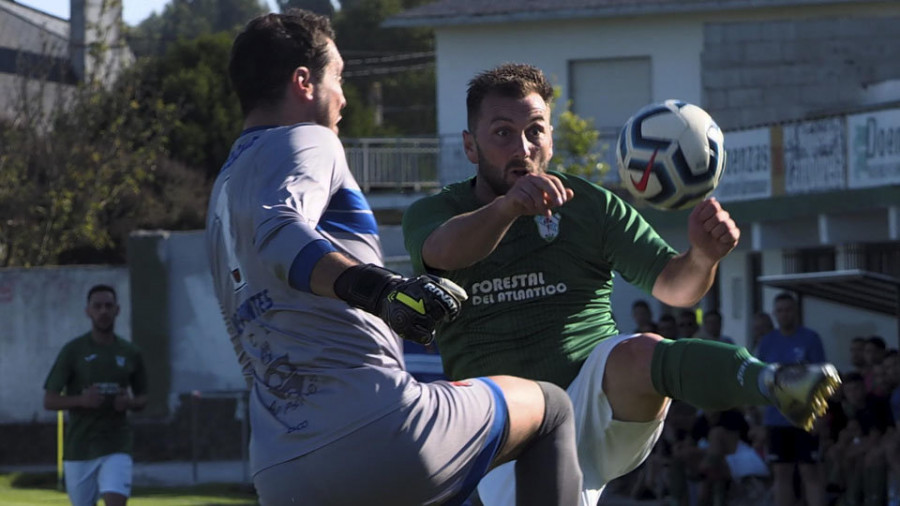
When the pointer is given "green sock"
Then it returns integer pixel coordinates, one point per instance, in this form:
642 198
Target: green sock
707 374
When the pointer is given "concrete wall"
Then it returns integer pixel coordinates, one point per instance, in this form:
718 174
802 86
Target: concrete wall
759 72
41 309
673 45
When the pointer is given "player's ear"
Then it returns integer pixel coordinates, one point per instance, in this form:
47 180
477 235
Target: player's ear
301 82
470 146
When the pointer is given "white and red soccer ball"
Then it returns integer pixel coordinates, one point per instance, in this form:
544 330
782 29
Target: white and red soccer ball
671 155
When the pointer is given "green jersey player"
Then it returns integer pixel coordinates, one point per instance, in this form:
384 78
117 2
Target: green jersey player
536 251
102 376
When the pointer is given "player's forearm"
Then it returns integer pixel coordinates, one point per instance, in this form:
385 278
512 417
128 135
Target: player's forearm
56 402
327 269
685 279
468 238
137 403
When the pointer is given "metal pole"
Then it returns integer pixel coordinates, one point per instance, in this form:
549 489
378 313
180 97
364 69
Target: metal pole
60 484
195 395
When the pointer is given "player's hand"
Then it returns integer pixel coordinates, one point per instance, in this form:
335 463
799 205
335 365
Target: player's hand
412 307
122 401
536 194
711 231
91 397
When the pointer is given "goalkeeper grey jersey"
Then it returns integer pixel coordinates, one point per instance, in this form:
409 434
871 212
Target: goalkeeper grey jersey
319 368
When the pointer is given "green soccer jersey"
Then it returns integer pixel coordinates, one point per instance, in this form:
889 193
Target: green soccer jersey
82 362
541 301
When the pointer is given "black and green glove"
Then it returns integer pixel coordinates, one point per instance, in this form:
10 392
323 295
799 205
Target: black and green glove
410 306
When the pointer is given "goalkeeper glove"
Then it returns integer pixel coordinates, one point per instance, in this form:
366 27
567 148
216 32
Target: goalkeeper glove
410 306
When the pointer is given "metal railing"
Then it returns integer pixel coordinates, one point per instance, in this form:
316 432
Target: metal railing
407 164
421 164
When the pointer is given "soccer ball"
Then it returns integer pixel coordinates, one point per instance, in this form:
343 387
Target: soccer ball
670 155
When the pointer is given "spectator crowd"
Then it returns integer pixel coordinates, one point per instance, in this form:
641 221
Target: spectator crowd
749 457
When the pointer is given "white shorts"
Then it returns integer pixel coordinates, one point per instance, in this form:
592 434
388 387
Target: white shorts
87 480
607 448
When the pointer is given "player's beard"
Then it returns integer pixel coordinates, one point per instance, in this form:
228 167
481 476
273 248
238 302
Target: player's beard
104 327
495 177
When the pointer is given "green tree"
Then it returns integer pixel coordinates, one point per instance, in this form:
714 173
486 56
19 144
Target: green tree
187 19
192 76
397 62
72 167
575 147
323 7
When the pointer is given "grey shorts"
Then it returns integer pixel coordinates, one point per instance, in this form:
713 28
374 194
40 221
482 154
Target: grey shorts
433 451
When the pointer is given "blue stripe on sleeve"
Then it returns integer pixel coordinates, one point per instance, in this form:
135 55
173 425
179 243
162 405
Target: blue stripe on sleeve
302 266
348 221
348 200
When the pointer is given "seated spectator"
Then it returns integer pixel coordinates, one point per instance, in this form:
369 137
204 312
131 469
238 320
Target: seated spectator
858 460
734 473
873 351
687 324
667 327
858 355
712 327
642 316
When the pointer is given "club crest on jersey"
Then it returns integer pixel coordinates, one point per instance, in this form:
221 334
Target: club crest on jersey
120 361
548 228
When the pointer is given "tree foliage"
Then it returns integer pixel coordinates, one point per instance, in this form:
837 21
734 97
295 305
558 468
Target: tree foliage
397 61
575 147
187 19
192 76
73 167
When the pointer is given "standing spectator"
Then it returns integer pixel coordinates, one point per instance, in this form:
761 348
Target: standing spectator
873 352
712 327
98 377
789 447
642 316
667 327
762 325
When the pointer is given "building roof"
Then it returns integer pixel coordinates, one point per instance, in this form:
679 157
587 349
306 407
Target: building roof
52 24
466 12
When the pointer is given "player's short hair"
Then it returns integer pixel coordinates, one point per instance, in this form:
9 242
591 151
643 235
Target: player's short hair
666 317
640 303
511 80
878 341
101 288
852 376
786 296
712 312
266 53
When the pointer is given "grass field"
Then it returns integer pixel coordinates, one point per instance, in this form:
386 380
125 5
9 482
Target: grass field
19 489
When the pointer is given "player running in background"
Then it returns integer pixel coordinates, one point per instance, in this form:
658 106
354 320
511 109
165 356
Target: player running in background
103 377
296 263
536 251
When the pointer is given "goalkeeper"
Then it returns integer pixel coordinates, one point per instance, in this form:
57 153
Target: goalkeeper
314 318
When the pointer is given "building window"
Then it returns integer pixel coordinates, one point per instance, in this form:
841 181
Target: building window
609 91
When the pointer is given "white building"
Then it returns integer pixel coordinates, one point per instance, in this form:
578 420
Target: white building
810 85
